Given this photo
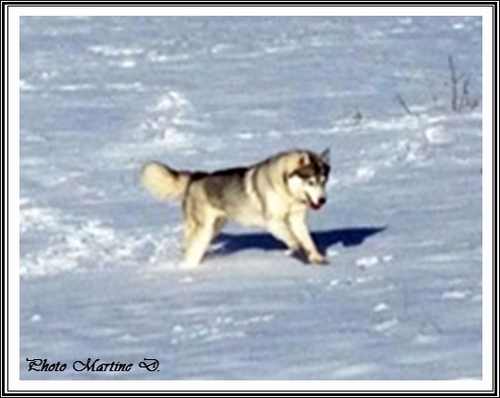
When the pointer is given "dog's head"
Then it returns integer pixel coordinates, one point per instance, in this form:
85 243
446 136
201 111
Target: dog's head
307 176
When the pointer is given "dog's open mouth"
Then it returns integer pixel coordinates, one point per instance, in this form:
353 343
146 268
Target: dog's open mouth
314 205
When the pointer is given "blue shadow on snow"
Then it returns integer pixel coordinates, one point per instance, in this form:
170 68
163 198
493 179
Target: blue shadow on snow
231 243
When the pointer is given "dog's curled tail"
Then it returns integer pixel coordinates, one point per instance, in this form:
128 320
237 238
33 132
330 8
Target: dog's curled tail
164 183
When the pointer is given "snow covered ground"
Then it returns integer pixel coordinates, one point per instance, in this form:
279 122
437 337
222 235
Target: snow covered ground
401 297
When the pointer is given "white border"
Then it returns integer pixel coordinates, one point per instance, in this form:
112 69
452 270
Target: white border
487 224
458 385
250 11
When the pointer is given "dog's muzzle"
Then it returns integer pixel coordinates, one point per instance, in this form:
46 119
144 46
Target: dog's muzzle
314 205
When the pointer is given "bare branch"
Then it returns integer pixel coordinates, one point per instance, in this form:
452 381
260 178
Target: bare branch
403 104
454 82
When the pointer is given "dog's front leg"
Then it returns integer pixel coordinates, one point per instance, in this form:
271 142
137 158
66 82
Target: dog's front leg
281 231
301 231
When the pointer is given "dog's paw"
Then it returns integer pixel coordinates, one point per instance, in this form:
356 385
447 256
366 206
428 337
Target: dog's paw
292 251
317 258
186 264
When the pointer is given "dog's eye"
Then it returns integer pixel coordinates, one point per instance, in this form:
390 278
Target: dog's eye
311 183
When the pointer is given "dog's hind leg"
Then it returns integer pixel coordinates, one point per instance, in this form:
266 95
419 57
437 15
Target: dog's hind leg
219 224
198 242
189 228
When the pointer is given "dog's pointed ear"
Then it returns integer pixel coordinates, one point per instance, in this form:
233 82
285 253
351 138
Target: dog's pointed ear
325 156
303 160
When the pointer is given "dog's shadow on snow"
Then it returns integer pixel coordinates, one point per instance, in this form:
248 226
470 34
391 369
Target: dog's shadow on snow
229 243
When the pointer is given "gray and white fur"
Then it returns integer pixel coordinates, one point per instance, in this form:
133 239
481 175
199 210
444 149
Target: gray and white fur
274 194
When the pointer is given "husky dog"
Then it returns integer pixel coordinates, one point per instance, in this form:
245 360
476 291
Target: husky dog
274 194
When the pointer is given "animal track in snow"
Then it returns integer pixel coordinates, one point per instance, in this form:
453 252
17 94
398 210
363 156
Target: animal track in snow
455 295
386 325
219 329
381 307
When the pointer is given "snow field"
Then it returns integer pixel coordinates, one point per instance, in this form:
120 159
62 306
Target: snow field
401 297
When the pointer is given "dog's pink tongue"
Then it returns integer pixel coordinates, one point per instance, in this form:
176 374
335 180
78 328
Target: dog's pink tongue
316 206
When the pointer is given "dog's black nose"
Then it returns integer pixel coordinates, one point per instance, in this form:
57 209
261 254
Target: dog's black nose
322 201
